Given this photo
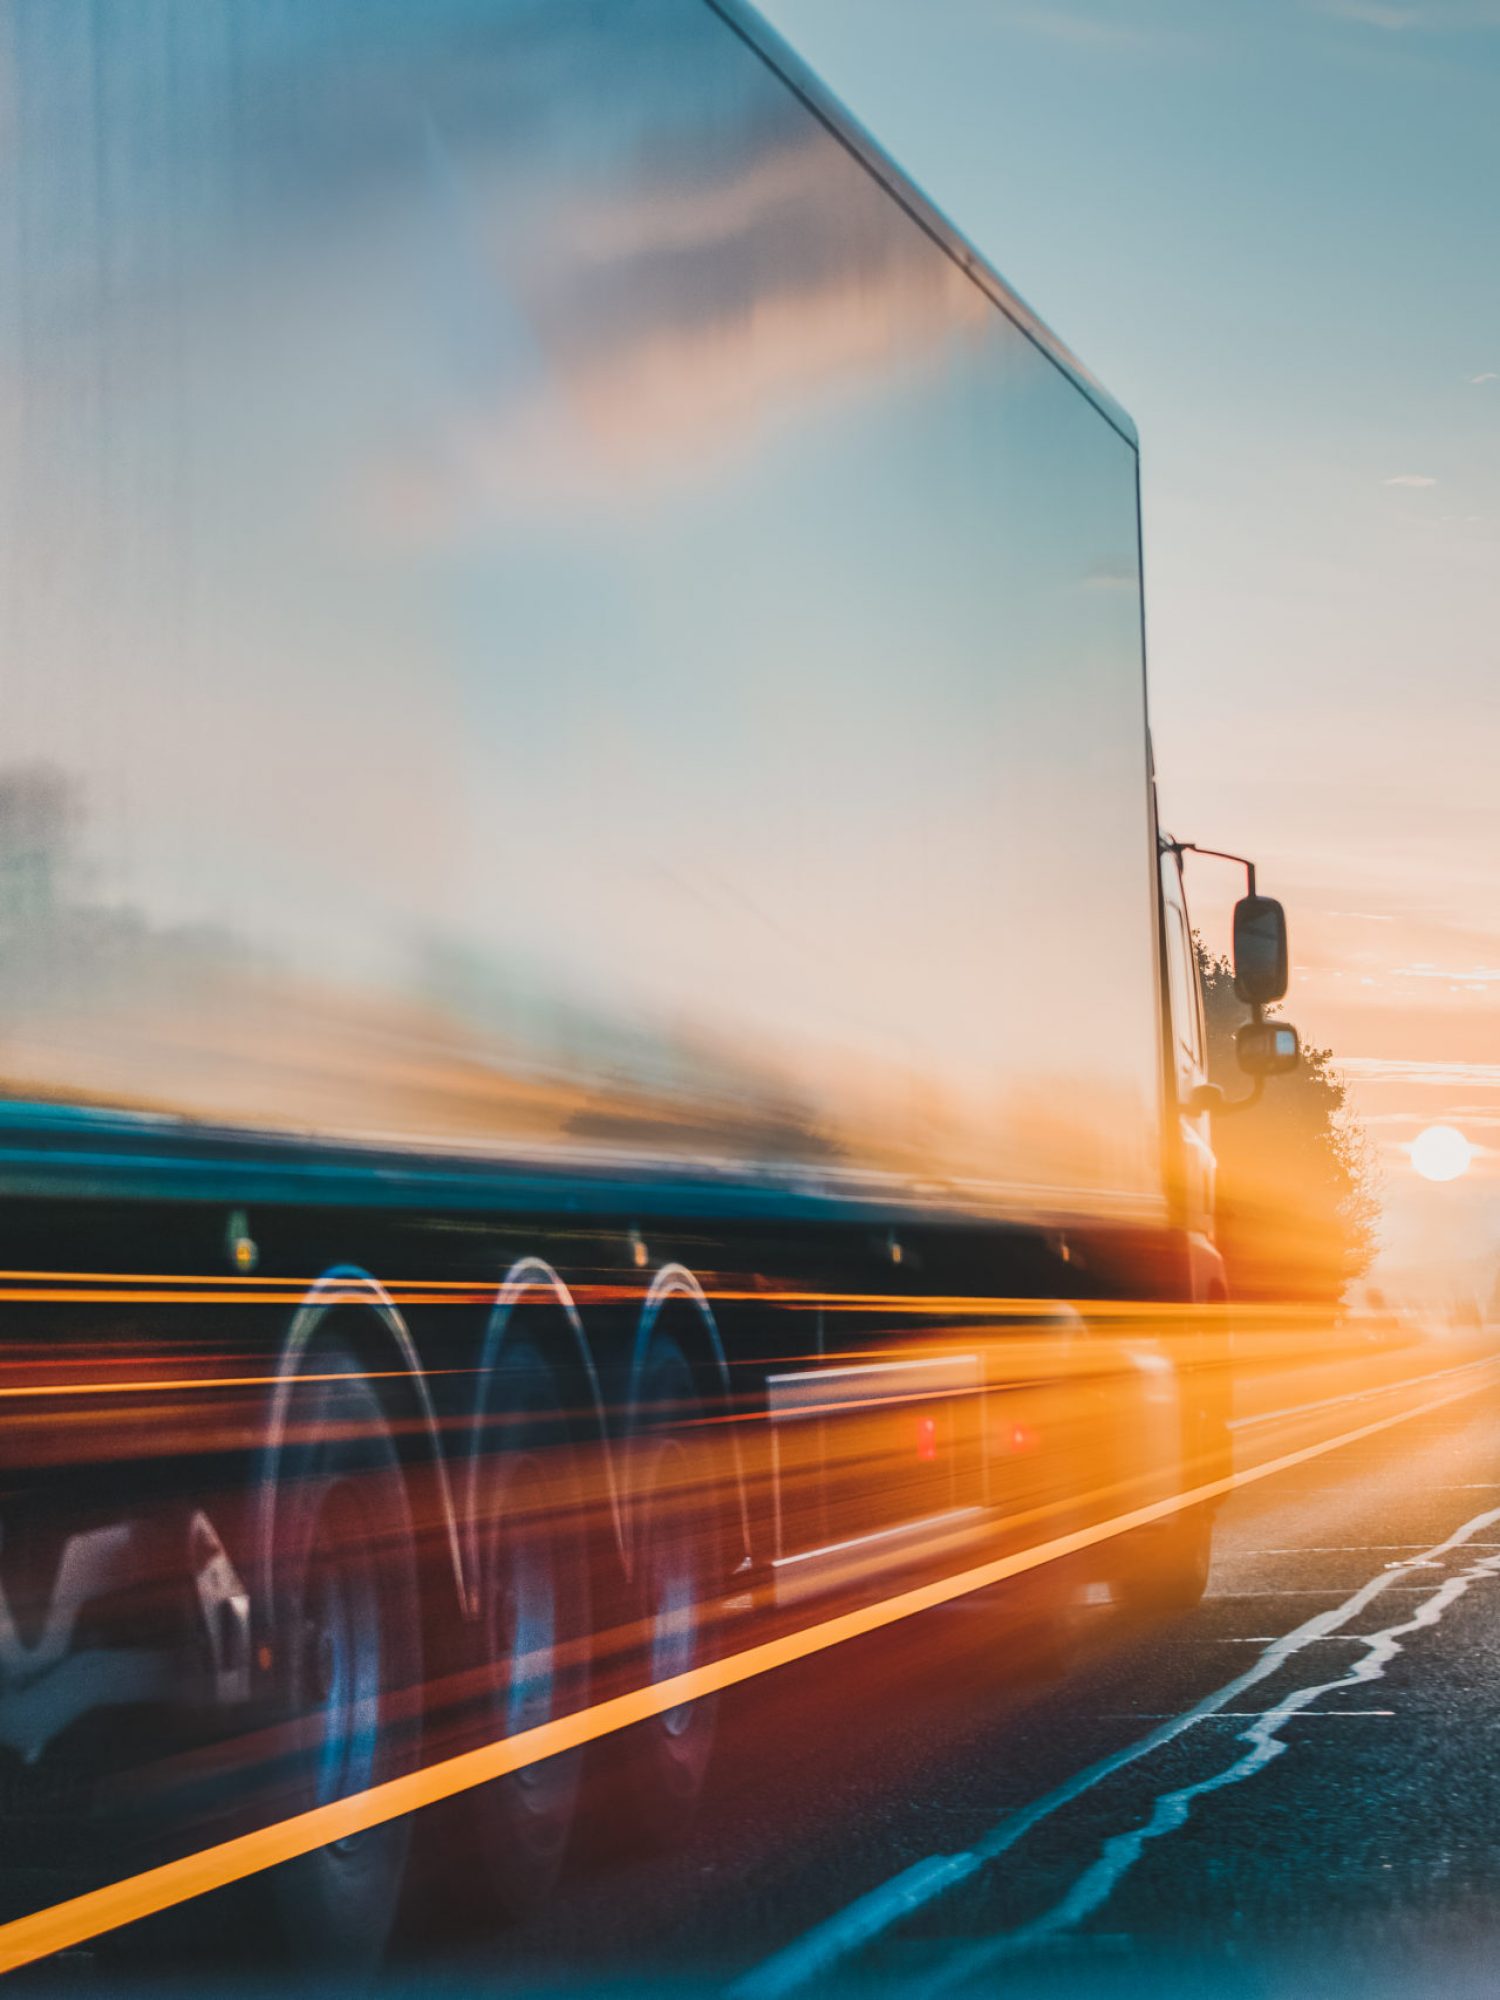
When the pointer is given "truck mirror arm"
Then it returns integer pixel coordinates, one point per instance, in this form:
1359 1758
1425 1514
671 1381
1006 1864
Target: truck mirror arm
1215 854
1229 1105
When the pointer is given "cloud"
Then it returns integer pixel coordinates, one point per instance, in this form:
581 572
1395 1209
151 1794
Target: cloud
1478 975
1464 1116
1085 31
1402 1070
1489 375
1411 479
1373 14
1433 16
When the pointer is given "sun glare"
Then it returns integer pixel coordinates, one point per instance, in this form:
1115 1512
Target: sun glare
1441 1153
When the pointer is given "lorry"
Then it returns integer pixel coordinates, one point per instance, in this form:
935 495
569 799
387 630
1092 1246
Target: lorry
600 1050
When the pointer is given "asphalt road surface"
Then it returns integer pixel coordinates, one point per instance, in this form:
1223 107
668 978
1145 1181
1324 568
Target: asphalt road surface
1292 1790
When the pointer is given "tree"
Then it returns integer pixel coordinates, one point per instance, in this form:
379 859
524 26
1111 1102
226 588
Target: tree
1298 1206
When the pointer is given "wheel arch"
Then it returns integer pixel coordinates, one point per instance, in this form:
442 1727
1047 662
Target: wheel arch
533 1296
382 1343
677 1303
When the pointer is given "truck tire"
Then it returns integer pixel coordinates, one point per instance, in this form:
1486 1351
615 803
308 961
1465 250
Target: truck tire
678 1574
346 1649
534 1619
1165 1567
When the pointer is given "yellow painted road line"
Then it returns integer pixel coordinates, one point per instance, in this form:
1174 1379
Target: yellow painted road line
27 1939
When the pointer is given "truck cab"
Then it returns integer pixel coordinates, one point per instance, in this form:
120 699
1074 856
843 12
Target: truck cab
1262 1048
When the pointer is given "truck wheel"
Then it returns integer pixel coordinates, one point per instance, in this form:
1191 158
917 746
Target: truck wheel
678 1574
347 1651
534 1620
1165 1567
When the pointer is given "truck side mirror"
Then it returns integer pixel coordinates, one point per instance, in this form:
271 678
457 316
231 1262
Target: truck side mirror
1260 955
1267 1048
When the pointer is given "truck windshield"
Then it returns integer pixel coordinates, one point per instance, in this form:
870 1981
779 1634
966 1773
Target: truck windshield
1182 983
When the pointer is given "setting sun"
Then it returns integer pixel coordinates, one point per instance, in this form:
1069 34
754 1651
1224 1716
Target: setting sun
1441 1153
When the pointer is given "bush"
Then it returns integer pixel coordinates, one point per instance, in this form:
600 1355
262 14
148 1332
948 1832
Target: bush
1297 1203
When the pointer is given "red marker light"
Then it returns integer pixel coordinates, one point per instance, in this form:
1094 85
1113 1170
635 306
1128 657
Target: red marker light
927 1438
1022 1438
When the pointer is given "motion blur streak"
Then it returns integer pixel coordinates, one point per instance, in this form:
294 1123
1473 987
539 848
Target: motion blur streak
1192 1316
147 1387
71 1923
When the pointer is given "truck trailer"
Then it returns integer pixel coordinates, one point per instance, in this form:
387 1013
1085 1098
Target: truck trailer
600 1047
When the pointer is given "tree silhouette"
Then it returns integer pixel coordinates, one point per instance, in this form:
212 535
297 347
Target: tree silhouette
1298 1209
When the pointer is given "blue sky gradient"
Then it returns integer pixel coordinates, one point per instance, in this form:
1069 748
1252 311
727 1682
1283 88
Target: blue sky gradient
1271 230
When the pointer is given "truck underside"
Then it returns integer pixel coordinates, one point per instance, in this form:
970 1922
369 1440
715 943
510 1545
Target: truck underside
416 1483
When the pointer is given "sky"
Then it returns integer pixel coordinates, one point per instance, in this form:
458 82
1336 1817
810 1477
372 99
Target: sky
1271 230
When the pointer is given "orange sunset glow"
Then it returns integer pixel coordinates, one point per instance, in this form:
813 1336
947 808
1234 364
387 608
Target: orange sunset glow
749 1060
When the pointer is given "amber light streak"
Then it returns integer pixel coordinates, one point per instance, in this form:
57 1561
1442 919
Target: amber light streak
146 1386
127 1288
1281 1332
27 1939
1169 1320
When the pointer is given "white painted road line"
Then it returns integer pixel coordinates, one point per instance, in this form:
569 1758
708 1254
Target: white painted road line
1354 1396
882 1909
1169 1810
